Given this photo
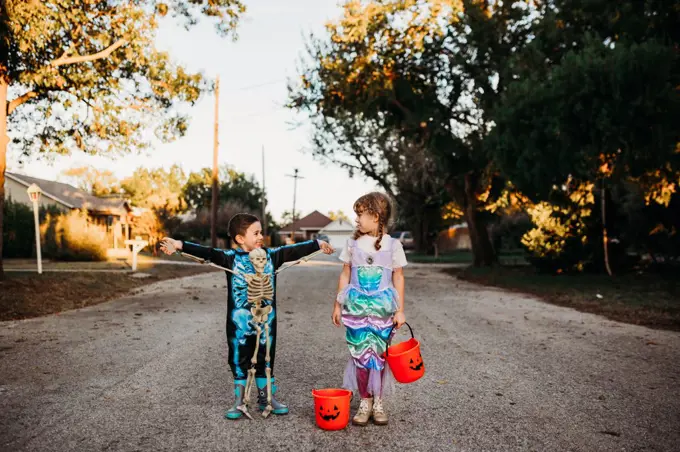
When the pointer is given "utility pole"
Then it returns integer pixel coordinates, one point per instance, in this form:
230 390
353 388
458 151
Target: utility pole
215 184
264 200
296 177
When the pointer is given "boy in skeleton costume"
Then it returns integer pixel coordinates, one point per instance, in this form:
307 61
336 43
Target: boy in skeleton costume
251 306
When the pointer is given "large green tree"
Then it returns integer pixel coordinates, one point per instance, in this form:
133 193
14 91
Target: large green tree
601 113
234 186
156 189
424 74
85 74
238 192
593 98
596 85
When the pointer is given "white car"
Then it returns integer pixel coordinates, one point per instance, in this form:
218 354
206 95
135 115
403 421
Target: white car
405 237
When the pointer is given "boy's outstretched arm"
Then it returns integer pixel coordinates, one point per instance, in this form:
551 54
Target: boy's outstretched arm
289 253
214 255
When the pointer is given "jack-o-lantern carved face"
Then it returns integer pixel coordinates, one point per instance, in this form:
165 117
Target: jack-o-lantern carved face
416 364
329 414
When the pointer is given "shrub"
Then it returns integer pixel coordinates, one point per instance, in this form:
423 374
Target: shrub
559 240
18 233
71 237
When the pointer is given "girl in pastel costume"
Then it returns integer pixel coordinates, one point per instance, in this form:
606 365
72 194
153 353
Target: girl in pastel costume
369 303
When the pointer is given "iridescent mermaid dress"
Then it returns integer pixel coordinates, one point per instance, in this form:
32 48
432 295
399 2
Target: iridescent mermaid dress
369 303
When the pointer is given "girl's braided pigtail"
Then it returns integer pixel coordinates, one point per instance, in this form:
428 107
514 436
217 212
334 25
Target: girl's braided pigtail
381 231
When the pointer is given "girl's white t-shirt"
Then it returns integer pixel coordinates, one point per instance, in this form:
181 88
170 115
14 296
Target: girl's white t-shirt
367 244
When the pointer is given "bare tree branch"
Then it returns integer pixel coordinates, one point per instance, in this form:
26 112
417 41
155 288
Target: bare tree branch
96 56
11 106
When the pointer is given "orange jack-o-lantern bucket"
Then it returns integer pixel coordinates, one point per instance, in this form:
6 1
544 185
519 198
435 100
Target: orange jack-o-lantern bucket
405 359
331 408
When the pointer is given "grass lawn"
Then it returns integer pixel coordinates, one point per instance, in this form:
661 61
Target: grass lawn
642 299
463 257
27 294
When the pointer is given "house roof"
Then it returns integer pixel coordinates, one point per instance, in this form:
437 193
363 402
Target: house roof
315 220
339 225
73 197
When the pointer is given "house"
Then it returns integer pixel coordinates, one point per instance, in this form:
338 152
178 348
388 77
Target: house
338 232
454 238
112 215
306 228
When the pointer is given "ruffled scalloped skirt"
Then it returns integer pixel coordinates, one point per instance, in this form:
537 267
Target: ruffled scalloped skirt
368 321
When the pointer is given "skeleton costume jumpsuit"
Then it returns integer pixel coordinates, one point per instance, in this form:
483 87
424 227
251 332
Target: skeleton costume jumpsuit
241 333
369 303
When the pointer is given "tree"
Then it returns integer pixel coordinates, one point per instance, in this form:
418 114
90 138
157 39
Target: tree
594 101
405 171
625 98
85 74
157 189
238 187
287 218
337 215
159 192
199 227
423 74
238 192
94 181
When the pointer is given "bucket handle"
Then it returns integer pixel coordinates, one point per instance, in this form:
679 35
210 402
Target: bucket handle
351 395
389 341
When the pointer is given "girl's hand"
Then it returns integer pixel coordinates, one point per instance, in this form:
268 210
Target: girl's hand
399 319
337 315
170 246
326 248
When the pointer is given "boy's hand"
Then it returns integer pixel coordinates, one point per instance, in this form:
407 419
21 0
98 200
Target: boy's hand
326 248
399 319
170 246
337 315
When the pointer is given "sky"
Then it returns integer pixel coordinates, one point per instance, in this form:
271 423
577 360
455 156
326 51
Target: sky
253 75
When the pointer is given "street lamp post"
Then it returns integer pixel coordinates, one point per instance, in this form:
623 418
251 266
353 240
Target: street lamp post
34 194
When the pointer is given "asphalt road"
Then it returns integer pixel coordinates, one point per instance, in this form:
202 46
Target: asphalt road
504 372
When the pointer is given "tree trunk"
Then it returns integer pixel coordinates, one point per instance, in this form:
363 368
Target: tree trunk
420 223
4 140
416 226
482 249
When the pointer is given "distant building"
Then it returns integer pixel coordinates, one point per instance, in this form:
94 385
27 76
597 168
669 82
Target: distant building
338 232
113 215
454 238
306 228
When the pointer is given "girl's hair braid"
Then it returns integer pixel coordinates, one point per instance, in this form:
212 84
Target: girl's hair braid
376 204
381 231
